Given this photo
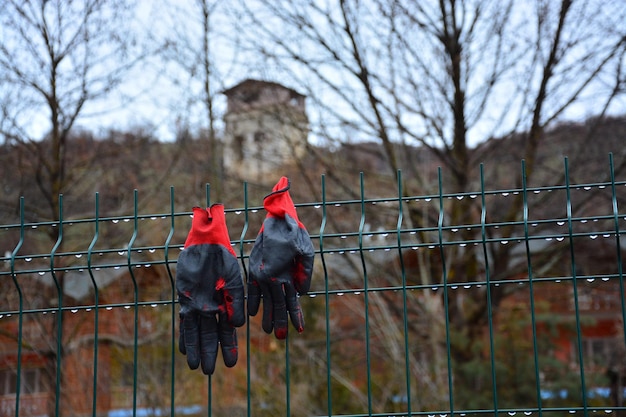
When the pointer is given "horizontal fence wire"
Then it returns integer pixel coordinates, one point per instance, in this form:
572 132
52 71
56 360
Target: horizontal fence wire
408 314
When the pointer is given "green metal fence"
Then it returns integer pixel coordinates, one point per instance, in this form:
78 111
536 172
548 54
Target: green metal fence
517 309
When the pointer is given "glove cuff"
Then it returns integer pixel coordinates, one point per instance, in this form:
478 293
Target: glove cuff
208 226
279 203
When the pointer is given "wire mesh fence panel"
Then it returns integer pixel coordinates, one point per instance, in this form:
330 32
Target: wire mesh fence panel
484 302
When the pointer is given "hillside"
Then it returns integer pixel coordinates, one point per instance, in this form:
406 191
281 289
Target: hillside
121 162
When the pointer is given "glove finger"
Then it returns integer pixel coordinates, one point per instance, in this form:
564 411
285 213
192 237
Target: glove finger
191 340
254 298
208 343
280 309
228 341
181 336
293 306
267 323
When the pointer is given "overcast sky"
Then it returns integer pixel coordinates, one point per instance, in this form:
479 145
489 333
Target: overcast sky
159 96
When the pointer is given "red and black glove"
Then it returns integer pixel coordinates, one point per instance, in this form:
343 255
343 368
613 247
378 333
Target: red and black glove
281 264
210 292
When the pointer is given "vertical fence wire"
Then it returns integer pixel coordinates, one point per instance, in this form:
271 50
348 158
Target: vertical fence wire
366 291
446 289
329 392
405 310
59 321
20 312
242 237
209 395
531 291
170 275
618 245
483 232
579 343
287 376
129 263
96 235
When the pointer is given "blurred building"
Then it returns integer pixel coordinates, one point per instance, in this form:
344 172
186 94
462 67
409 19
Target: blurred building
266 127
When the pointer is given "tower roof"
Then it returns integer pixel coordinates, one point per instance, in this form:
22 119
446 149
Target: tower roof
252 85
252 95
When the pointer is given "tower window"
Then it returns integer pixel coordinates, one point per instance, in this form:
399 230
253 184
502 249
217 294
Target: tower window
259 137
249 96
238 145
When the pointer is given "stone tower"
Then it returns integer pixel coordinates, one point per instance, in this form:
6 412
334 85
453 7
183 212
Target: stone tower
265 127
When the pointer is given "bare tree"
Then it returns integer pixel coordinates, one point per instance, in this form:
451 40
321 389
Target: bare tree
445 76
58 61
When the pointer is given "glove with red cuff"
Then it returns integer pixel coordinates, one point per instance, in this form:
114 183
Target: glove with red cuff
281 264
210 292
